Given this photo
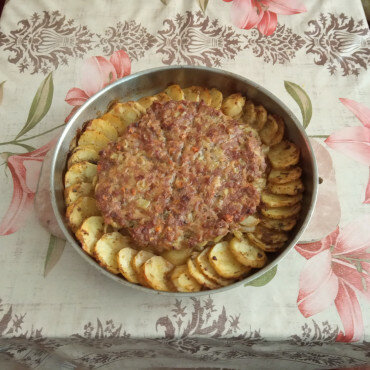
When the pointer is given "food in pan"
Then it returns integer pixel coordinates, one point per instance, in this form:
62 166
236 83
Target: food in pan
185 190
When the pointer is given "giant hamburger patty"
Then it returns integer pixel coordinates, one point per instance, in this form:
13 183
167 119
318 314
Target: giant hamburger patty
180 176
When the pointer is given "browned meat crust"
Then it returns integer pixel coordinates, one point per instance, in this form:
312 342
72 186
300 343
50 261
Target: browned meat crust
180 176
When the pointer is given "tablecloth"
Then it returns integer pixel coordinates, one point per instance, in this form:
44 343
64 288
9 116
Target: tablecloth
312 311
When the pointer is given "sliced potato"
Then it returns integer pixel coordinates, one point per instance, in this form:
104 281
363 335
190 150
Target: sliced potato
192 93
281 212
124 259
183 281
115 122
73 143
88 153
282 225
261 118
280 132
277 200
137 262
128 112
250 114
269 130
264 246
250 221
107 248
270 236
92 137
80 172
147 101
90 232
203 264
105 127
290 188
80 210
284 176
205 96
199 277
175 92
233 105
75 191
247 254
155 272
216 98
224 263
162 97
177 257
283 155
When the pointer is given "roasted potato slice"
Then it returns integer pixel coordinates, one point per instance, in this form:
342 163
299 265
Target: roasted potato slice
92 137
281 225
128 112
107 248
261 118
90 232
147 101
280 132
224 263
137 262
192 93
203 265
233 105
199 277
80 172
115 122
250 221
155 272
281 212
175 92
283 155
290 188
269 236
247 254
277 200
80 210
264 246
260 183
177 257
75 191
284 176
269 130
88 153
205 96
73 143
124 259
216 98
250 114
183 281
105 127
162 97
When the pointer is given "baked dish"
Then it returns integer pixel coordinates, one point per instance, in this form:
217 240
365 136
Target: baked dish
183 191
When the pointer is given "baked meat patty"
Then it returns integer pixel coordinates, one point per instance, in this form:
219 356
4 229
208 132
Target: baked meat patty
180 176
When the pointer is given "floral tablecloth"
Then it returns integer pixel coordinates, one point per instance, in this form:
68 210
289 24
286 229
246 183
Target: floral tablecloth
313 311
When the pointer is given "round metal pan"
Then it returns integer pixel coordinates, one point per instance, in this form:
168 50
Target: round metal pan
152 81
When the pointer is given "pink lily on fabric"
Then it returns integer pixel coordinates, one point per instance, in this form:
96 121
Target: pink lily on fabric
337 268
354 141
262 14
25 169
97 73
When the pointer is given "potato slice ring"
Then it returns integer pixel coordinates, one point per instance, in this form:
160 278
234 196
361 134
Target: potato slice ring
290 188
283 155
75 191
279 200
223 261
199 277
281 212
155 271
124 259
137 262
269 130
87 153
284 176
183 281
247 254
80 172
280 225
80 210
216 98
91 230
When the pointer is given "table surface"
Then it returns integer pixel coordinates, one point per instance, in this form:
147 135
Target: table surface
58 311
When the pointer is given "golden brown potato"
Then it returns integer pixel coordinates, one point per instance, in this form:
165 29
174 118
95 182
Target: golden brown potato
250 114
124 260
269 236
147 101
205 267
216 98
281 225
75 191
283 155
247 254
290 188
205 96
233 105
264 246
223 261
277 200
115 122
155 272
177 257
183 281
73 143
199 277
162 97
106 128
192 93
261 118
175 92
280 132
90 232
80 210
281 212
80 172
269 130
92 137
128 112
137 262
88 153
284 176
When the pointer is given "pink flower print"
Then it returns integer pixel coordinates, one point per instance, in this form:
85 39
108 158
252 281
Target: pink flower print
97 73
338 267
354 141
262 14
25 169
